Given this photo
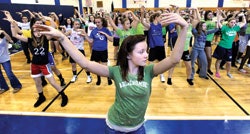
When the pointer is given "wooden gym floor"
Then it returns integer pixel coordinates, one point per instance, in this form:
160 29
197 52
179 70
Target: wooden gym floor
206 99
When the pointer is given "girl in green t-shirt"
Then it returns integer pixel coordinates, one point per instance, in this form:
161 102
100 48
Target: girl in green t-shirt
224 49
132 76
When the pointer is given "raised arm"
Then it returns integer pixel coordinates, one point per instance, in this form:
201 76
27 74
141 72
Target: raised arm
8 38
196 16
111 22
31 14
91 66
176 54
143 21
135 18
243 22
80 16
219 17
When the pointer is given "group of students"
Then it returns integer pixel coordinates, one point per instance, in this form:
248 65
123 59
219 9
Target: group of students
132 75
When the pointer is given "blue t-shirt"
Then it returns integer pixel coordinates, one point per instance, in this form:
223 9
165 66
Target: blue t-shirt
4 55
155 35
100 41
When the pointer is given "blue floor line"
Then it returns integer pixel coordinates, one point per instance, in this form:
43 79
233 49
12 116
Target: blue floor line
25 124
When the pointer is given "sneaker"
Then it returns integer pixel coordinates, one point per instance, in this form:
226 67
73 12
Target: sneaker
62 82
89 79
40 100
242 70
169 82
98 82
3 90
73 79
16 90
64 100
190 82
162 78
210 72
229 75
248 65
217 75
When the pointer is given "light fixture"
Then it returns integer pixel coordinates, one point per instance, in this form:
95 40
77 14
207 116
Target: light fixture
140 1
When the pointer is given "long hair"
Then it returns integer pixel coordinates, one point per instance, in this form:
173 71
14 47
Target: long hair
35 41
199 27
126 48
206 13
1 35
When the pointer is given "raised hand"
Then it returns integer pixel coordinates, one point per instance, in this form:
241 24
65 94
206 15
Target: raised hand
168 18
8 15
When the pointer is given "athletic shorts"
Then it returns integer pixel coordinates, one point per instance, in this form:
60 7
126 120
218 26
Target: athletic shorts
72 61
221 53
40 70
186 56
51 59
116 41
157 53
208 44
99 56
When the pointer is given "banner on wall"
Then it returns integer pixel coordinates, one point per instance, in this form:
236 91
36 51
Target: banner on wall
88 3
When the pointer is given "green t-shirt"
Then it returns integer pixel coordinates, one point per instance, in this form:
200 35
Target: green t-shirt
131 99
189 35
248 28
210 25
227 36
164 31
140 29
125 33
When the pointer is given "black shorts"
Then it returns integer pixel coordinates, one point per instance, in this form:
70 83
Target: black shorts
116 41
221 53
208 44
99 56
157 53
186 56
72 61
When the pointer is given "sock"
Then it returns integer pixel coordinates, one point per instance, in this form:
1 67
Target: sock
60 76
88 73
74 72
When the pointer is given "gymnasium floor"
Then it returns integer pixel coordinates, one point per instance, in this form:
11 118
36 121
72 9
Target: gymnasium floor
176 118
